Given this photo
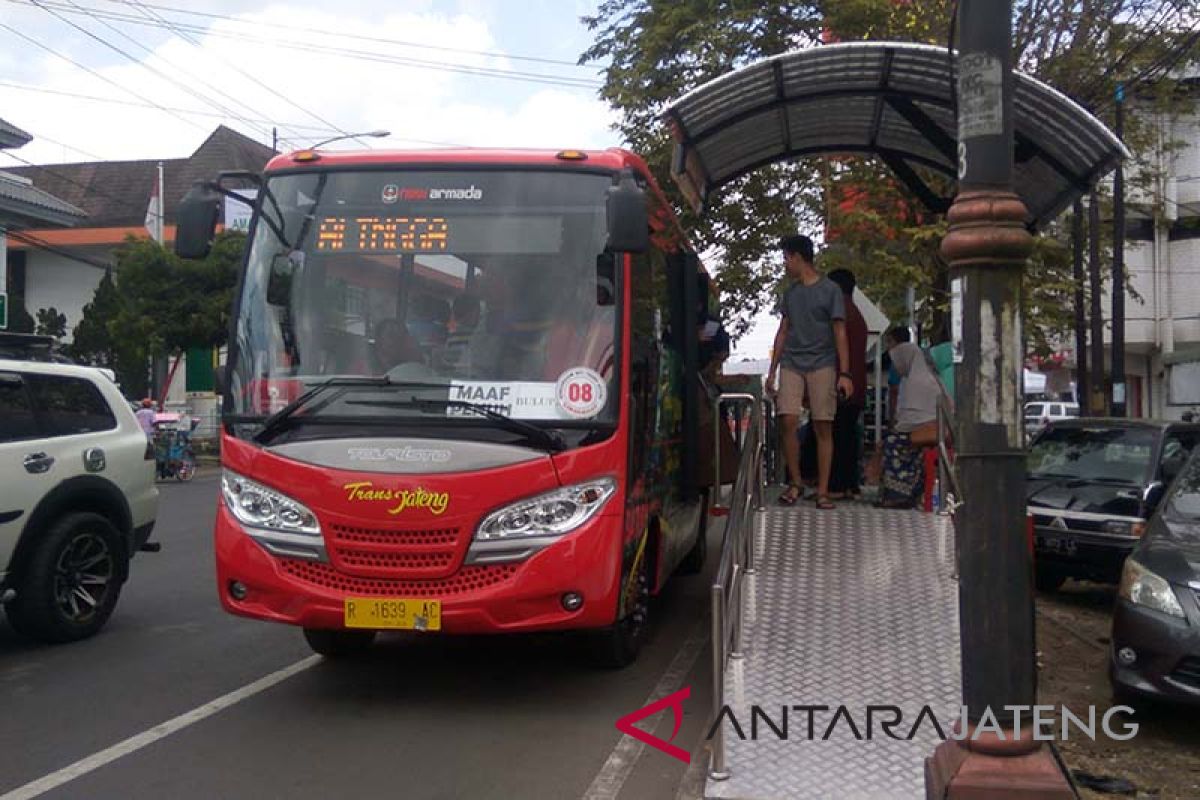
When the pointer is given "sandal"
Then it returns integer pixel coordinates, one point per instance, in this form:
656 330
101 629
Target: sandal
790 495
824 503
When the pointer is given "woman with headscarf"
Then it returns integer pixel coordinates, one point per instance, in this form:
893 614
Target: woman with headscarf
916 408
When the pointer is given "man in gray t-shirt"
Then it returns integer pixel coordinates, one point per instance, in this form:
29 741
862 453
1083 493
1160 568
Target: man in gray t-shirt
812 348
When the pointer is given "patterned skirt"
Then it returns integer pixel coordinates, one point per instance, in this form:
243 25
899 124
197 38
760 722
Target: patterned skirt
903 469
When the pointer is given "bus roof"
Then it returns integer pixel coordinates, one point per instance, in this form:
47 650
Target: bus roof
613 158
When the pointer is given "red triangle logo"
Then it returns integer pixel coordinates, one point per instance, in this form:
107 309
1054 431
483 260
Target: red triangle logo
675 701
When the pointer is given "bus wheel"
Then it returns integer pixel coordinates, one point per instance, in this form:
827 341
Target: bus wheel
693 562
338 644
618 645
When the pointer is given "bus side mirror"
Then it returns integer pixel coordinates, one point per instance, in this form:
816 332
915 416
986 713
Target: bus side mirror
628 218
219 378
197 221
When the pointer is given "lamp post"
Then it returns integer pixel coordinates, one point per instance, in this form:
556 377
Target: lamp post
373 134
987 246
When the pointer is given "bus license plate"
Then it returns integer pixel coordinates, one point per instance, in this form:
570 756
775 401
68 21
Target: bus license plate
393 613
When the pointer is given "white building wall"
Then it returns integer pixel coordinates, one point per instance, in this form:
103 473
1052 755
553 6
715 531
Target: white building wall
1185 290
55 281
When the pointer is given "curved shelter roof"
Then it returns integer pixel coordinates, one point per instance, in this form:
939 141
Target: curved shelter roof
889 99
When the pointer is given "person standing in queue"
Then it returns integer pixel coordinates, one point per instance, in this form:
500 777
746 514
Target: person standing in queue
812 348
843 479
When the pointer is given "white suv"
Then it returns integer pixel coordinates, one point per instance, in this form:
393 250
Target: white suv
1040 414
77 497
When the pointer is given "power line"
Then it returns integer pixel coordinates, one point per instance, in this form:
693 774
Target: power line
195 93
358 37
86 187
39 136
93 72
194 112
258 82
354 54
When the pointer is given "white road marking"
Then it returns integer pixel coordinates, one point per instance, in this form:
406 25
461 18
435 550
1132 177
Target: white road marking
624 757
152 735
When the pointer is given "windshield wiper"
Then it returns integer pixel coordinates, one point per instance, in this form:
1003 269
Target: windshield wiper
274 423
550 441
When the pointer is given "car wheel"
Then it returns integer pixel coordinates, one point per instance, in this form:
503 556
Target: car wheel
1047 580
71 580
618 645
338 643
693 562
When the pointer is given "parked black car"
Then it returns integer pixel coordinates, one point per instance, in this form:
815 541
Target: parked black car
1156 622
1091 486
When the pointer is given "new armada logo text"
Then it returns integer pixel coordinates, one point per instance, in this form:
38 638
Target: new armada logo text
406 454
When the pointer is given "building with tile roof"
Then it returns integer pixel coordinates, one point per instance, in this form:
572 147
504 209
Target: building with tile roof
61 267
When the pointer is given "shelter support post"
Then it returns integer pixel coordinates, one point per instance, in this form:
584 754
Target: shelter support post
987 246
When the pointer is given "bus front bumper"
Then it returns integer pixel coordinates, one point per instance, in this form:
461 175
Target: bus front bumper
482 598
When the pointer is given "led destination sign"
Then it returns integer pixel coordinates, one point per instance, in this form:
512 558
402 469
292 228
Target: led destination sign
385 233
388 234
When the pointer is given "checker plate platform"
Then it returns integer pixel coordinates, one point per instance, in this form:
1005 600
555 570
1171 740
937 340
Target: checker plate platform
851 607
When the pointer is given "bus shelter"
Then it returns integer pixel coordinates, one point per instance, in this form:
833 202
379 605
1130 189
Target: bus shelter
891 100
850 609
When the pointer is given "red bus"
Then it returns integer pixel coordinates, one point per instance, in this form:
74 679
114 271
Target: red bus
460 395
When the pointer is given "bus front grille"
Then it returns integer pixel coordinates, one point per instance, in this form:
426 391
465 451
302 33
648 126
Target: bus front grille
467 579
394 553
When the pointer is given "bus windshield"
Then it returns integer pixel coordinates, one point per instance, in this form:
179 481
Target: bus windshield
489 287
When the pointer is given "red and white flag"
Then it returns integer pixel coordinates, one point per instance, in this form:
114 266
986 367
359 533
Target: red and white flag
154 210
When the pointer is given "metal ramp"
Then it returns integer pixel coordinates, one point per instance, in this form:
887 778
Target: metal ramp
853 607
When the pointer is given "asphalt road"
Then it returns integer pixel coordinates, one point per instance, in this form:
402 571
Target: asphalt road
417 717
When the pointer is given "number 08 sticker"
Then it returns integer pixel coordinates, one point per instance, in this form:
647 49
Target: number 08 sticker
581 392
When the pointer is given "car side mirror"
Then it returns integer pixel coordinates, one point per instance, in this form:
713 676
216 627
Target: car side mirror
1171 467
628 217
1153 495
196 221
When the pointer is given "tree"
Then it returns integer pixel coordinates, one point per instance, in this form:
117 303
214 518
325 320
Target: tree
51 323
157 305
656 51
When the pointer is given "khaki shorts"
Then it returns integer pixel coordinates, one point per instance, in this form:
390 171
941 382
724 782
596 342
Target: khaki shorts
819 385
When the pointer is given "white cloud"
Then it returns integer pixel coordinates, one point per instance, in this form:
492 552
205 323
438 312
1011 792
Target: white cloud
414 102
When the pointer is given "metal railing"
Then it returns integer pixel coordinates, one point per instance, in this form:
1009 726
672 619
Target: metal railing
715 507
737 561
949 494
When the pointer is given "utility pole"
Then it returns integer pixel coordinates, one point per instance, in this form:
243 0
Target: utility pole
1118 271
1096 402
1081 346
987 246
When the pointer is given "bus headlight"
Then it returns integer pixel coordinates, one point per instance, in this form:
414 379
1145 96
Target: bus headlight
256 506
1142 587
550 514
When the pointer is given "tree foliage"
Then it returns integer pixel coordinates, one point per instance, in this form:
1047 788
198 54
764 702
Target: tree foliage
51 322
157 305
655 51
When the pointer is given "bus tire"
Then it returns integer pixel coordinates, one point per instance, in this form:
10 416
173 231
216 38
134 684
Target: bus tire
338 643
618 645
693 562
